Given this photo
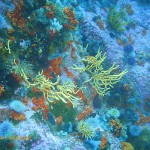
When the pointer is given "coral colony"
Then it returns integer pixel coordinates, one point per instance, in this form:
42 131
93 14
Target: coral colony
74 75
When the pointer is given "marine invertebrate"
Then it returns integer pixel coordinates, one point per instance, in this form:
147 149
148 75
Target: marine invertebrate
40 104
115 20
103 143
6 129
116 127
53 91
135 130
71 17
86 130
55 65
101 80
143 140
17 116
17 106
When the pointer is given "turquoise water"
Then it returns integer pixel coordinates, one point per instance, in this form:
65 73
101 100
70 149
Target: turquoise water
74 75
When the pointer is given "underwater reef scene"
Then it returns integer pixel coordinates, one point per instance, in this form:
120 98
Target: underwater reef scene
74 75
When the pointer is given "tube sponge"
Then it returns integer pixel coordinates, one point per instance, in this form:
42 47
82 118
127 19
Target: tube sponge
6 129
17 106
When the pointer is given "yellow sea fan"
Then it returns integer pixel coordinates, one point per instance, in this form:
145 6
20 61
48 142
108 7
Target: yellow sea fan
101 80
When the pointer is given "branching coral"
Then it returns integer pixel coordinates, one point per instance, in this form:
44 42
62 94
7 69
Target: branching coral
101 80
52 91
